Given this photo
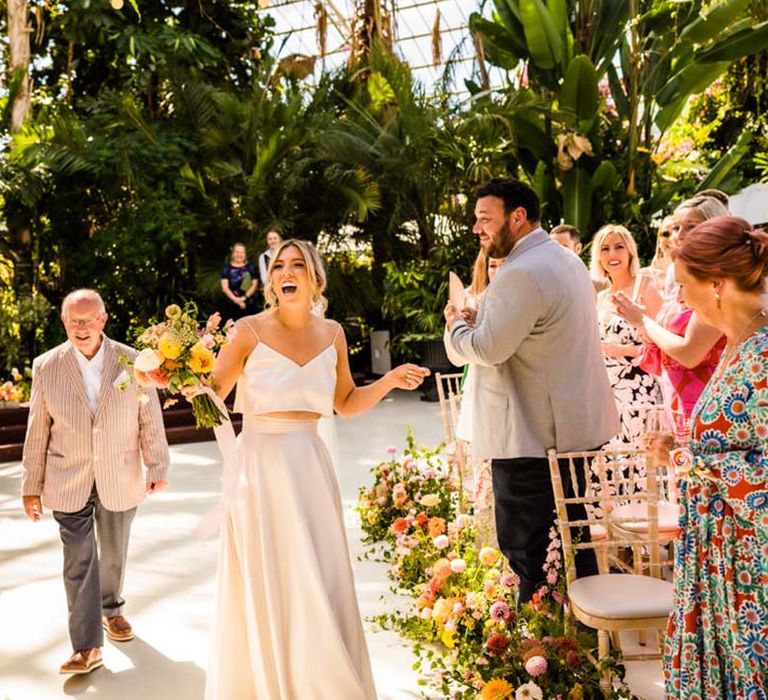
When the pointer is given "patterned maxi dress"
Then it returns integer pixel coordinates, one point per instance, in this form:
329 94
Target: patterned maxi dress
632 386
717 637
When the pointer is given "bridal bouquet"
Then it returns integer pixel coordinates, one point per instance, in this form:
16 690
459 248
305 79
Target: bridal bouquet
177 355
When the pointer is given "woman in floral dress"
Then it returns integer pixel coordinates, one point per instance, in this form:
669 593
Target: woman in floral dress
614 260
717 638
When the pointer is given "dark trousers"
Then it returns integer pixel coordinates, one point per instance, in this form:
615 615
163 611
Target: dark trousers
95 549
525 512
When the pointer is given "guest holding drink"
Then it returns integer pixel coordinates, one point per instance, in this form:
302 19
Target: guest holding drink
614 260
679 348
715 644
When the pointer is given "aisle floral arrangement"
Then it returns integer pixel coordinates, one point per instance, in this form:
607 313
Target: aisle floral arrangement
177 355
470 637
412 489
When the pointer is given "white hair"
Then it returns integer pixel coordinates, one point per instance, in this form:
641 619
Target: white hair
83 295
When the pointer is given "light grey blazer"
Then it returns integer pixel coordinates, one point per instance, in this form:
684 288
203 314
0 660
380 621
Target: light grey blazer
67 446
540 378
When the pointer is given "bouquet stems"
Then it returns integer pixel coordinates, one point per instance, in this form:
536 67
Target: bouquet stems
207 414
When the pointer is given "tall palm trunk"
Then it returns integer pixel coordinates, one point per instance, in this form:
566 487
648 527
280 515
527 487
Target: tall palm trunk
18 42
19 217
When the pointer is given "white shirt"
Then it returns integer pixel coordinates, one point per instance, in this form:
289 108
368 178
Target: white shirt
92 371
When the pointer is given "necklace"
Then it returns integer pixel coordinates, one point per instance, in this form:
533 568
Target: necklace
731 348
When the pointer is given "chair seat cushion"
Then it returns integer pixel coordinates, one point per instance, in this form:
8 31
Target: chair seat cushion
669 514
622 596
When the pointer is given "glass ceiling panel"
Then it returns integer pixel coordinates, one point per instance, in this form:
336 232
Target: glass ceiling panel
296 32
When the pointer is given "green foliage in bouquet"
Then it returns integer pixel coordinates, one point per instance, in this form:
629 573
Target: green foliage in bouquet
416 486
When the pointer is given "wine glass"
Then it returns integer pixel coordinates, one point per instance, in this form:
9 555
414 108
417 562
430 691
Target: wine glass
659 435
659 439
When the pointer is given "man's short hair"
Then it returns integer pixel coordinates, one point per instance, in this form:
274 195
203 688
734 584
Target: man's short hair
568 230
514 194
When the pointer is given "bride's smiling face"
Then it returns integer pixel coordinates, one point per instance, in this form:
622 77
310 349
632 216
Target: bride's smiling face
290 279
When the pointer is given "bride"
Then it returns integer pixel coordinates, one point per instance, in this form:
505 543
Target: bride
287 623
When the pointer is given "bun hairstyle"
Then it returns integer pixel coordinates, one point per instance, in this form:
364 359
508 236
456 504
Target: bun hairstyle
726 247
315 273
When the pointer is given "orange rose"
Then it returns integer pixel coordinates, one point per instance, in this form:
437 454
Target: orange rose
436 526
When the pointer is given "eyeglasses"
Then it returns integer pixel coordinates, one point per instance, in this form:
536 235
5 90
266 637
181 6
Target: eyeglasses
83 322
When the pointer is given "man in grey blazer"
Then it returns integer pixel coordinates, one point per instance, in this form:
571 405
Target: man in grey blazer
86 437
540 379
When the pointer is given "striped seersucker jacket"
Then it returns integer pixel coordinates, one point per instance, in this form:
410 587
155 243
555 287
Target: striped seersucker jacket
68 447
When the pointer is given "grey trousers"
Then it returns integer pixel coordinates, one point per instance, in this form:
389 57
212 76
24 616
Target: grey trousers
94 567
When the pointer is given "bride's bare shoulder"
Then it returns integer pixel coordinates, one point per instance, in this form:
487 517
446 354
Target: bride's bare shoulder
249 328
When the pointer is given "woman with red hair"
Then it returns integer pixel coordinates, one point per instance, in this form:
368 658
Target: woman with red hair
716 639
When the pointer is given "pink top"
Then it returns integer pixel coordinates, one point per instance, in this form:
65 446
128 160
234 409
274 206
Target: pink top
680 385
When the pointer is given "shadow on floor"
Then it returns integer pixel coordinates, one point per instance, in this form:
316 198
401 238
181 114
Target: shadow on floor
152 677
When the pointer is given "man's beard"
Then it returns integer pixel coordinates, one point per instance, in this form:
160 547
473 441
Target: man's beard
502 246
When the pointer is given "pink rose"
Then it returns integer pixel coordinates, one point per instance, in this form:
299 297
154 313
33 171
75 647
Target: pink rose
500 611
536 666
154 378
509 580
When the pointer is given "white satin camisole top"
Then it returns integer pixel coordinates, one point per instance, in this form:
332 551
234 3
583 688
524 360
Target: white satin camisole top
272 382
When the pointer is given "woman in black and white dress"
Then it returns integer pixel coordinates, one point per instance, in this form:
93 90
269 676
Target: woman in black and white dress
614 260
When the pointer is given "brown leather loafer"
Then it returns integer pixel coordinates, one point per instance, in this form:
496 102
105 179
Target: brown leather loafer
83 661
118 629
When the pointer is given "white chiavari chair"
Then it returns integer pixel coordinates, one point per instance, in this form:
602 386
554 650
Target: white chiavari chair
611 602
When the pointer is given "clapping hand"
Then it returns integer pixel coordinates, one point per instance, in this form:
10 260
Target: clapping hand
452 314
409 376
628 309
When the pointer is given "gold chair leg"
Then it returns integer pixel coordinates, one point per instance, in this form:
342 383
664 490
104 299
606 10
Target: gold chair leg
603 565
604 653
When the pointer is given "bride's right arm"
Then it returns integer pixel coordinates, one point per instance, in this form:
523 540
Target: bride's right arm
231 358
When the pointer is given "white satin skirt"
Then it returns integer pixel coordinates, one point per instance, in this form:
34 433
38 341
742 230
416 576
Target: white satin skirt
287 621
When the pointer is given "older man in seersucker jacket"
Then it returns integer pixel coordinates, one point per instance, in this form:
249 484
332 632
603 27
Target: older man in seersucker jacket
86 437
540 379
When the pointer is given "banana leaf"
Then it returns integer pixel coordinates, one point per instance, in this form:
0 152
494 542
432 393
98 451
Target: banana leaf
727 163
541 34
712 20
577 198
736 45
579 94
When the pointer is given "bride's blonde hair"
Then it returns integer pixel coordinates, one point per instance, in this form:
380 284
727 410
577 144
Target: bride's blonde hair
315 273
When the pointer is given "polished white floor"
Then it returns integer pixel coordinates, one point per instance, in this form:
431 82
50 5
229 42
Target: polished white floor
169 585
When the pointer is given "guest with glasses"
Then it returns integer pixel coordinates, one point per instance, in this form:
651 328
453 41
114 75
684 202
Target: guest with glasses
86 438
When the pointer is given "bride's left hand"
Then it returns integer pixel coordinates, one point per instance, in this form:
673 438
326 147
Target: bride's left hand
409 376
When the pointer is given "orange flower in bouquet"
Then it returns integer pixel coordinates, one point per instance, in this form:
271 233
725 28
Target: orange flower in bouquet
178 355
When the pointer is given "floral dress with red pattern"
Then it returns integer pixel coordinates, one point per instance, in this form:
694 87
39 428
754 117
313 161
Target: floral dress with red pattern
717 636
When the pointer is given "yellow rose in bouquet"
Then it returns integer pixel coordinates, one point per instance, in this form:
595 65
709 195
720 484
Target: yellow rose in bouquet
178 355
